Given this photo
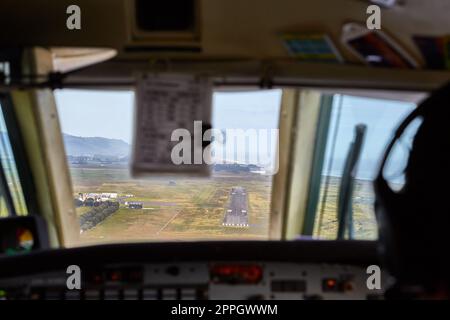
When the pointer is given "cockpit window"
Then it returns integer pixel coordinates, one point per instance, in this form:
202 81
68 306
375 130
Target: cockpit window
381 117
12 199
234 203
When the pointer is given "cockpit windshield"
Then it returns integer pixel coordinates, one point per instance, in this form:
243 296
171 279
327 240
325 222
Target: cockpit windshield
234 203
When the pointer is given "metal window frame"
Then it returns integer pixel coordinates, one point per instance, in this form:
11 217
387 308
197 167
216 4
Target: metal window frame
323 126
282 179
301 132
39 125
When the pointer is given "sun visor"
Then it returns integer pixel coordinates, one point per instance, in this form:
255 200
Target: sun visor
69 59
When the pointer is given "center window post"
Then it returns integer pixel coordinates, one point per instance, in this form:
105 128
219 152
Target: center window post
307 152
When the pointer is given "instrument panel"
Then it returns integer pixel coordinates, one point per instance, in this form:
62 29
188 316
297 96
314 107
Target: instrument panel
199 280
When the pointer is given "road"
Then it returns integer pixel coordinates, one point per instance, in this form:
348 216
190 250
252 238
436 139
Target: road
236 213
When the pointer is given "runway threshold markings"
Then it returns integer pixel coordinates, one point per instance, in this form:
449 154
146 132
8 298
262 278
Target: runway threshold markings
236 213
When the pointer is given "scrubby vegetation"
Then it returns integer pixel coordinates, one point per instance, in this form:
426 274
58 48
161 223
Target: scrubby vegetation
96 215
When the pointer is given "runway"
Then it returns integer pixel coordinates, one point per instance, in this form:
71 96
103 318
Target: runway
236 213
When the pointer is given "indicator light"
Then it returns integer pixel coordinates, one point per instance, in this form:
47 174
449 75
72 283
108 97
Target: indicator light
348 286
95 277
114 275
330 285
236 273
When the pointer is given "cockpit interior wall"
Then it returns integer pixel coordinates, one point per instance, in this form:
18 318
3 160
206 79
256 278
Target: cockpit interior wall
228 28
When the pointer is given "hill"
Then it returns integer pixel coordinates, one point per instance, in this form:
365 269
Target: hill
89 146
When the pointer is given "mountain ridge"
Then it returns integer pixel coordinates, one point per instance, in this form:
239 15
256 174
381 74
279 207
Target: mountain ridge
90 146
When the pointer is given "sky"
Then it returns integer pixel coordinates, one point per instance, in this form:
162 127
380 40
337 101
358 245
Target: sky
381 117
110 114
89 113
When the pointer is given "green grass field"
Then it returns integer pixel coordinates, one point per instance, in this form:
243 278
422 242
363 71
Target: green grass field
15 189
193 209
365 226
